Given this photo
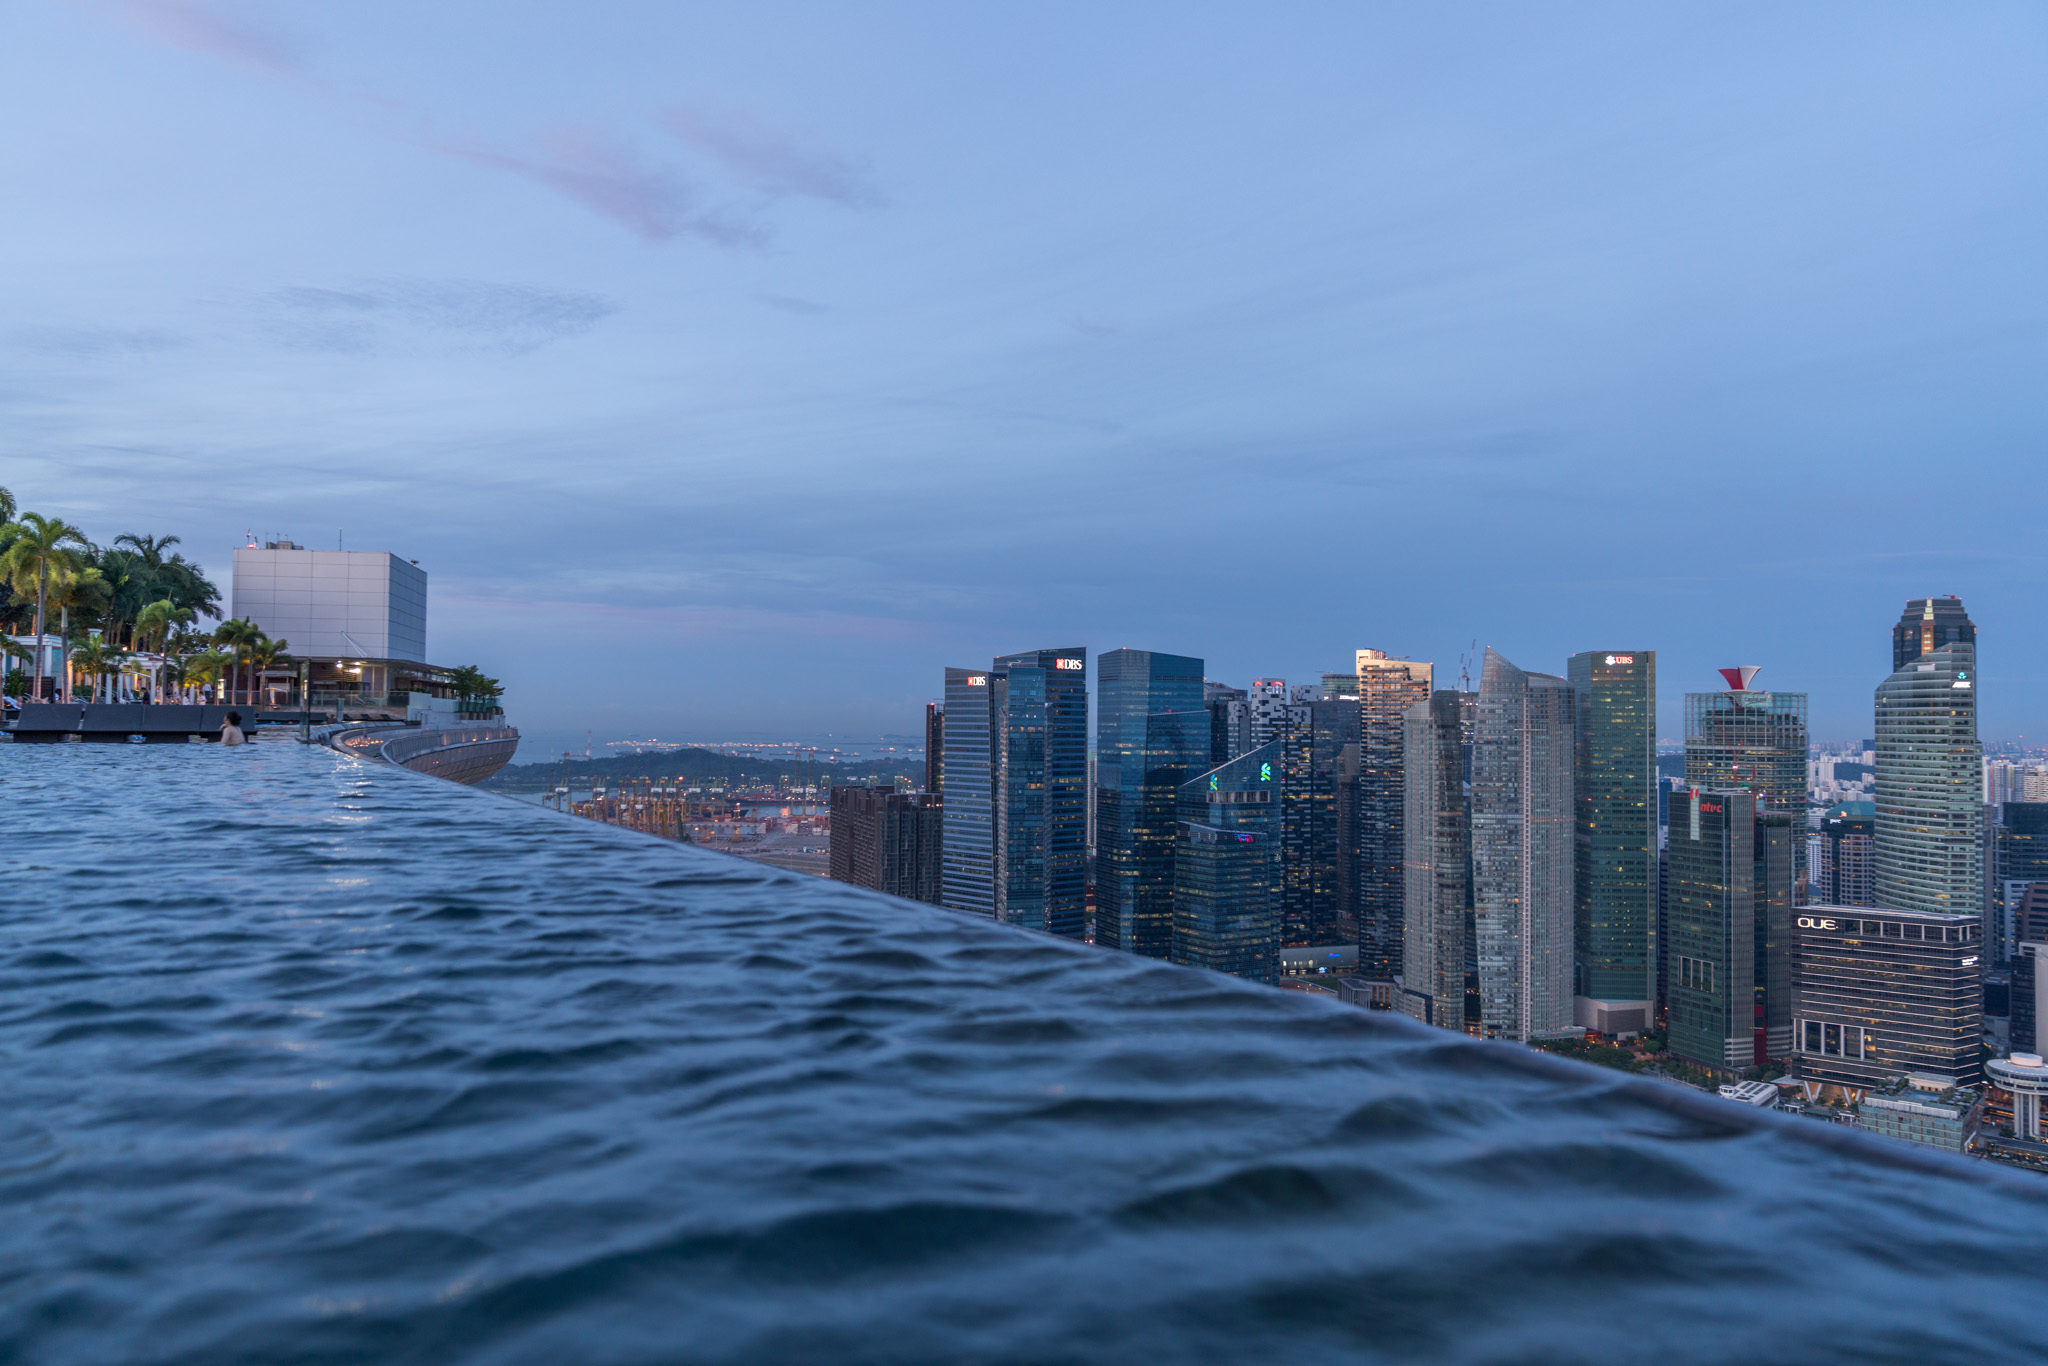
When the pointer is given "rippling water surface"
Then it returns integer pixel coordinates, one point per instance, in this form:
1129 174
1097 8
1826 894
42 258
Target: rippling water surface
307 1059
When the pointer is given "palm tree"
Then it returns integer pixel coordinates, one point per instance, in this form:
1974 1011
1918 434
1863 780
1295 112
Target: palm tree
154 625
264 652
240 635
39 547
99 661
83 588
203 668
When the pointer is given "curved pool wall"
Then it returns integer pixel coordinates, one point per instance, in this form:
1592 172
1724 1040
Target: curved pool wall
306 1058
461 754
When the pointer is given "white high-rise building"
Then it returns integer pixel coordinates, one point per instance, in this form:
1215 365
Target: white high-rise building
1523 855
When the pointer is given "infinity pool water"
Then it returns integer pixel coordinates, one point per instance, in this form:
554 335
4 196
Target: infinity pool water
307 1059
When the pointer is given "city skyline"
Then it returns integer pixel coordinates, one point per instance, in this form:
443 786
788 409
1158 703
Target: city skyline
696 360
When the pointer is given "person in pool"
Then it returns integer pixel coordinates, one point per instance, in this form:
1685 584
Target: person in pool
231 730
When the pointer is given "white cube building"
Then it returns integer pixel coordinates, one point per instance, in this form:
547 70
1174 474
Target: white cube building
360 616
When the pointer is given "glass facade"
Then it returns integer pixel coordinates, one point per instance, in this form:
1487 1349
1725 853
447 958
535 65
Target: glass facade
1842 864
1930 624
1039 705
1319 830
1230 722
1436 878
1387 689
968 841
1152 734
1878 994
1930 820
1749 738
1227 868
1615 928
1710 919
1523 823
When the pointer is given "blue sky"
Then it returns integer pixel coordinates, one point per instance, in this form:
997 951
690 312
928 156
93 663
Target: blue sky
737 368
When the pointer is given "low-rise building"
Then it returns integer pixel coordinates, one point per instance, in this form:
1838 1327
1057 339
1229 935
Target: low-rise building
1936 1119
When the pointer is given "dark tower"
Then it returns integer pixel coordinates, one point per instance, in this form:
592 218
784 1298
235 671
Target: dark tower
1926 625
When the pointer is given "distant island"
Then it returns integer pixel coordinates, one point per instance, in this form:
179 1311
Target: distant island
699 766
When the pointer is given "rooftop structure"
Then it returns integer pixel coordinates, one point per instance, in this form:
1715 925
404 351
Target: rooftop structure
358 616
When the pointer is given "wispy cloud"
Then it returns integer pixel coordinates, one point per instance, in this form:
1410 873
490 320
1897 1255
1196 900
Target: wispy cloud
790 303
94 342
216 31
602 168
603 172
517 318
771 160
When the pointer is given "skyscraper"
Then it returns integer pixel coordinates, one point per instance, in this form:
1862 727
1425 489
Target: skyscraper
968 841
1729 901
1710 911
1230 722
1751 738
1436 877
935 748
1615 850
1016 773
1151 737
1268 701
1040 715
1227 868
1387 689
1930 819
1319 820
1523 821
1930 624
1842 856
887 840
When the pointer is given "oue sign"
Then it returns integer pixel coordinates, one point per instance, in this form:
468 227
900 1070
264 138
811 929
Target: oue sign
1814 922
1075 665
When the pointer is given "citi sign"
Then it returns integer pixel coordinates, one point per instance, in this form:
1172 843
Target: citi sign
1071 664
1814 922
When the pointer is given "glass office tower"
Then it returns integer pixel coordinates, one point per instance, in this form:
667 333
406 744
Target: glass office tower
1230 721
1710 921
1386 690
1152 734
1615 932
1841 859
1729 898
967 842
1039 709
1523 824
1750 738
1319 827
1436 879
1930 624
1930 821
1226 910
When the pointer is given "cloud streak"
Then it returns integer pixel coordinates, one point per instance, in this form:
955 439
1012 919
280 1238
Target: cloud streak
770 160
603 172
518 318
601 169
